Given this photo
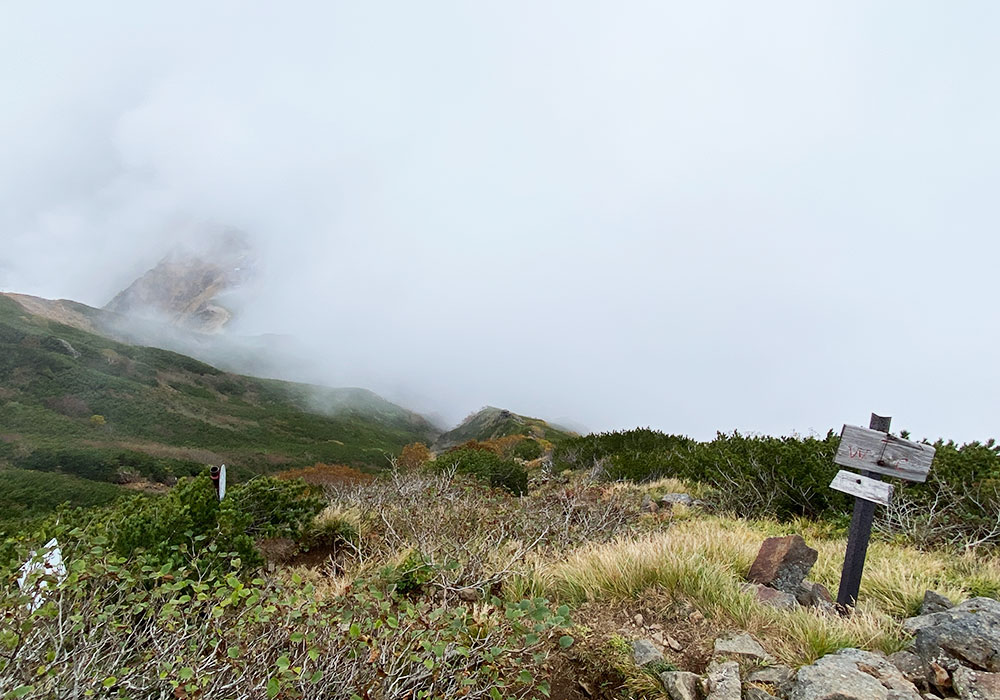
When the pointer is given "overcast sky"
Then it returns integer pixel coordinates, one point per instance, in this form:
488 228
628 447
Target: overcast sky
697 216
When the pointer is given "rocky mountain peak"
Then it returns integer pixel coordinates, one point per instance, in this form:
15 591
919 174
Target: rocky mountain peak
185 287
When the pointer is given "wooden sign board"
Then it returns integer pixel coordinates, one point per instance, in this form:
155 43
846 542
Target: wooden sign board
874 451
862 487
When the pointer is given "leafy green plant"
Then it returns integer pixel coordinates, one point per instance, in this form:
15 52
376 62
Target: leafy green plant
486 466
411 572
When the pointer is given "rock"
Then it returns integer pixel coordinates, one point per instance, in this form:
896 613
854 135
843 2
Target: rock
976 685
812 594
674 644
934 602
681 499
883 670
939 676
852 674
777 675
469 595
770 596
723 682
741 646
648 505
645 652
638 620
754 693
680 685
910 666
782 563
967 635
69 349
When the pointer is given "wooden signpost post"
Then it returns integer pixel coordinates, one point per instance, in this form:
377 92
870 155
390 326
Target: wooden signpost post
874 452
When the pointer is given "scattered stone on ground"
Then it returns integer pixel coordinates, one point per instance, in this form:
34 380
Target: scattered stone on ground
782 563
910 666
674 644
741 647
469 595
645 652
681 499
934 602
813 595
770 596
939 676
777 675
680 685
639 620
723 682
852 674
966 635
754 693
976 685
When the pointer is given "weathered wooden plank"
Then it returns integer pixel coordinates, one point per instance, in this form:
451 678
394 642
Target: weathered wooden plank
873 451
862 487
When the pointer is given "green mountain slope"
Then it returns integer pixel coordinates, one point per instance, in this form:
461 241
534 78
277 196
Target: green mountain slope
490 423
73 401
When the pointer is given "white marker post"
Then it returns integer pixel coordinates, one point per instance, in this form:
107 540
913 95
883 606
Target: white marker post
50 565
218 475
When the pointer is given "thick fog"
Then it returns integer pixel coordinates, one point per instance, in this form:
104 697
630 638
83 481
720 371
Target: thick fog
700 216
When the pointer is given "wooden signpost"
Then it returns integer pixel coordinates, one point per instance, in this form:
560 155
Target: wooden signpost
862 487
874 452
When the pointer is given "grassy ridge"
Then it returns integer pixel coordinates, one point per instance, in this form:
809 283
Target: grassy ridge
65 388
491 423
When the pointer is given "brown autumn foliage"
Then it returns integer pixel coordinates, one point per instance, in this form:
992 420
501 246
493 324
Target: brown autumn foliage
413 456
321 474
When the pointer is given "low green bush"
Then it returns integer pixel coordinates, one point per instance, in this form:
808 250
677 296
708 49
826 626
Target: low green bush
114 631
189 524
411 572
528 449
485 465
789 477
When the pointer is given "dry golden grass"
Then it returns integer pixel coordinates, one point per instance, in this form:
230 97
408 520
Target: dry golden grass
705 560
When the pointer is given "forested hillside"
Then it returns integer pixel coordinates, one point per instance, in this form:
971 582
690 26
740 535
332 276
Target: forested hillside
79 404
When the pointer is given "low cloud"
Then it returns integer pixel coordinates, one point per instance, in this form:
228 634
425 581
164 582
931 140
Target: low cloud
695 218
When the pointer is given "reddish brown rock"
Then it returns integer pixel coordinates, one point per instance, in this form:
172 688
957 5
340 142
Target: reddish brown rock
782 563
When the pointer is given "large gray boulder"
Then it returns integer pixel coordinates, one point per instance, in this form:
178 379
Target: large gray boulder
965 635
976 685
782 563
852 674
